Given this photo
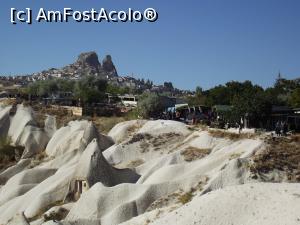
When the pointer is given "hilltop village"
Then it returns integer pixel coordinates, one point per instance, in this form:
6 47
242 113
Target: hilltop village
89 87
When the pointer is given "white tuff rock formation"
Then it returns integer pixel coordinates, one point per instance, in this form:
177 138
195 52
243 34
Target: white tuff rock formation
177 176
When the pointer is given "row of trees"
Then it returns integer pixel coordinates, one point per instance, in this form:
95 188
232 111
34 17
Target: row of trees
245 97
250 99
89 89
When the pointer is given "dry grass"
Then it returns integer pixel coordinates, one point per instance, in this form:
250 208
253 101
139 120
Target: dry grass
235 156
179 197
162 139
192 153
157 143
62 115
135 163
186 197
57 216
38 159
282 154
165 201
140 137
105 124
9 101
144 146
231 136
132 129
147 222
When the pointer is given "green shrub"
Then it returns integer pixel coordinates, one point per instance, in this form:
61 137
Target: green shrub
150 105
185 198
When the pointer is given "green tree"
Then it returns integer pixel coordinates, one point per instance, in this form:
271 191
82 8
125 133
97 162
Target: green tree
218 95
150 105
294 99
198 99
90 89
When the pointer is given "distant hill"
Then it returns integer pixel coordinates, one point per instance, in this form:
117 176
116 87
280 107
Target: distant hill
88 63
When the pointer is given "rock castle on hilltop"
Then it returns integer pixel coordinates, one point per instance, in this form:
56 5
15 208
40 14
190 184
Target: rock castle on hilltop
86 64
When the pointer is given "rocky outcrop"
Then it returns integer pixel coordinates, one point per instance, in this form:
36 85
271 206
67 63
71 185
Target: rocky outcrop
75 137
108 66
86 64
94 168
23 131
161 186
50 125
89 59
22 118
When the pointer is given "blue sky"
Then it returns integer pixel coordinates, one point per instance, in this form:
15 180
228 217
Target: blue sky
194 42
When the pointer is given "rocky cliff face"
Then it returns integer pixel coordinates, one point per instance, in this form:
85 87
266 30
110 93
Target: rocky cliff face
89 59
108 65
86 64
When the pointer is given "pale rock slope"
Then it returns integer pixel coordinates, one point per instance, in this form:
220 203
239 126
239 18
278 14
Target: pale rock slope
163 172
23 182
144 172
259 203
22 118
150 141
94 168
164 126
123 130
22 130
32 186
75 137
13 170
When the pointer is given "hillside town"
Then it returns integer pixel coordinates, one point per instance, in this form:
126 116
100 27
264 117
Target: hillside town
120 94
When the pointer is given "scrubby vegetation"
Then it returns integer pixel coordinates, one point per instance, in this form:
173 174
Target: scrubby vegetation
39 159
62 115
57 216
188 196
88 89
235 156
230 135
185 198
140 137
135 163
247 98
281 156
150 105
105 124
192 153
148 141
